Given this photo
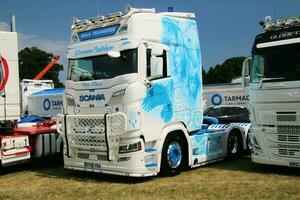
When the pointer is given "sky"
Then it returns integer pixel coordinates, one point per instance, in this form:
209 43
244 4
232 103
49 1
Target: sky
226 27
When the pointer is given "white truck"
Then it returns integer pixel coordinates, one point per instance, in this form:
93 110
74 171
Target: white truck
274 89
133 98
27 140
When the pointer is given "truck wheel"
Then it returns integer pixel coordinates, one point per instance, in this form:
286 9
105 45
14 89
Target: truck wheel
234 146
174 155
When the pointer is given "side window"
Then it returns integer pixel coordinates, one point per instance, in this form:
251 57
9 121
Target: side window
148 62
165 65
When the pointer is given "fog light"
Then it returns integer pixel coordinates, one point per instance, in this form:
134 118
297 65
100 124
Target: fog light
130 147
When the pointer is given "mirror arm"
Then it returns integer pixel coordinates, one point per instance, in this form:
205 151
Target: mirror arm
148 83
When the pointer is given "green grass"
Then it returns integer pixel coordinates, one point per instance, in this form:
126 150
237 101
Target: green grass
229 179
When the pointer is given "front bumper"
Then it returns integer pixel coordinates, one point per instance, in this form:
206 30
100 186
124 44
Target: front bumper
132 164
268 149
91 143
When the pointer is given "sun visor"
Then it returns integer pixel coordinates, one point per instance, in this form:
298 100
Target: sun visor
99 48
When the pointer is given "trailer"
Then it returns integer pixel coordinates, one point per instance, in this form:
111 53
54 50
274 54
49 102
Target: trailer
224 94
30 137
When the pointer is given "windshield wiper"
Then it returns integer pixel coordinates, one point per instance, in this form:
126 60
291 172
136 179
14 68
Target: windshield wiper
269 80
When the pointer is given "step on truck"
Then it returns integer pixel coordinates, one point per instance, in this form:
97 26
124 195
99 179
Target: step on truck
133 98
274 90
19 142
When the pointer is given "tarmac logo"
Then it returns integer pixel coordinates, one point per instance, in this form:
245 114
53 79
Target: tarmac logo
47 104
216 99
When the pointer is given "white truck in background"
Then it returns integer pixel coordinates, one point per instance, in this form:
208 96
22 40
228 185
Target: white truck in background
27 140
29 87
133 98
274 90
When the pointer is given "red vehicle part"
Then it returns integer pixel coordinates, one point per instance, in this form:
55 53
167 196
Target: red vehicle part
38 135
40 128
47 68
25 150
6 73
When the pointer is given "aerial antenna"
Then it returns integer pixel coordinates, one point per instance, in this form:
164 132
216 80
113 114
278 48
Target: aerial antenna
98 8
275 13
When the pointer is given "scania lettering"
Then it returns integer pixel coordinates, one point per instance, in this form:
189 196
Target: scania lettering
148 118
92 97
273 87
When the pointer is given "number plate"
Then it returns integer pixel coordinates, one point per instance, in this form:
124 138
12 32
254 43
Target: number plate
92 165
295 164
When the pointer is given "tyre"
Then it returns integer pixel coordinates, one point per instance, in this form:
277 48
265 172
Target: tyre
174 155
234 144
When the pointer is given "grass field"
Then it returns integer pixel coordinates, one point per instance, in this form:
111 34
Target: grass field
229 179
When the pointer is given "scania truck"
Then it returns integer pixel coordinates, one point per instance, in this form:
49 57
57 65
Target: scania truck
274 90
133 98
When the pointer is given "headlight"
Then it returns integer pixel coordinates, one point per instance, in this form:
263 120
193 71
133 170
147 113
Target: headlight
119 93
128 148
116 98
70 100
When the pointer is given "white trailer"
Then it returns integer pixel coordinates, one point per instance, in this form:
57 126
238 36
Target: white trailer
224 94
29 87
46 103
19 144
274 86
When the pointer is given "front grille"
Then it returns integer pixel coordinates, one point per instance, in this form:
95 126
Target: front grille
288 138
87 125
287 152
289 130
87 134
286 118
88 140
87 156
284 141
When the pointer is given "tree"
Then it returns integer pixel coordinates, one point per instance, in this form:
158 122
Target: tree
224 73
33 60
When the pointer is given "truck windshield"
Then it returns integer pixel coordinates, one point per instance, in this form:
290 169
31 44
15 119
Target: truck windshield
278 63
103 67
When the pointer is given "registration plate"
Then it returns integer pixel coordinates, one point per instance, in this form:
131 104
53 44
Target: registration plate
295 164
92 165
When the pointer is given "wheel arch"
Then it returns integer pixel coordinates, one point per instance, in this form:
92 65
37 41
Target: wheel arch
240 136
244 132
174 128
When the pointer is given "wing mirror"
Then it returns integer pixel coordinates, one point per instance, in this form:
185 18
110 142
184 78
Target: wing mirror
246 72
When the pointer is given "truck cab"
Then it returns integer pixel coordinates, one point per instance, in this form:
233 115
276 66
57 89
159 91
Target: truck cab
133 98
273 86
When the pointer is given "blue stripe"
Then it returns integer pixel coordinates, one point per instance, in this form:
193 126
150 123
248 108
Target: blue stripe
151 165
150 150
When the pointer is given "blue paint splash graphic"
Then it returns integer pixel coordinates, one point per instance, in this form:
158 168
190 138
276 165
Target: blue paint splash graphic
181 92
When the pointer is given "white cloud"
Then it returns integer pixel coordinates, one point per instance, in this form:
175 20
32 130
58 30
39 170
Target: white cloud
4 26
51 46
55 47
